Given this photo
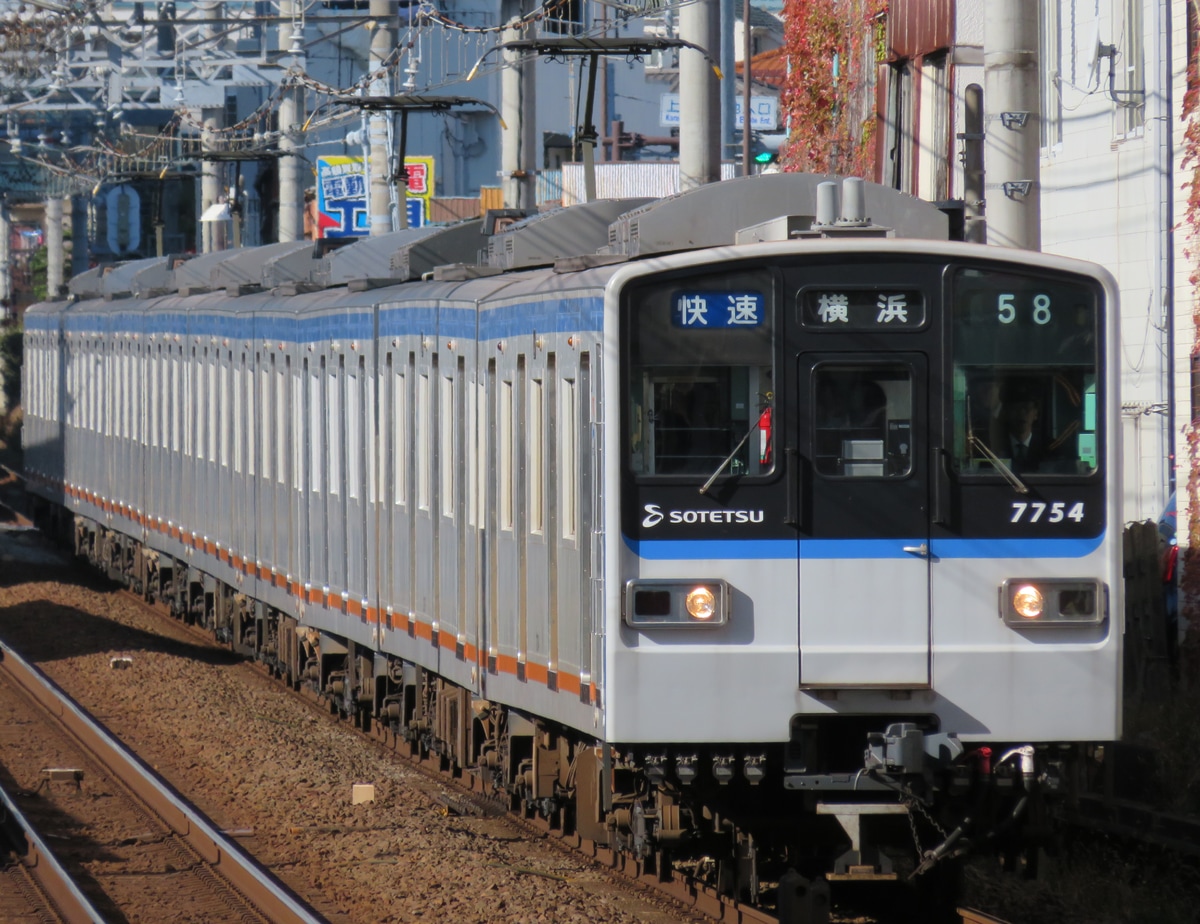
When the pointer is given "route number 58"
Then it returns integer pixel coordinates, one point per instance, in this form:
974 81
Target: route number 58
1006 309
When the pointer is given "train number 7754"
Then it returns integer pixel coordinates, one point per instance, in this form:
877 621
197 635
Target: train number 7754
1054 512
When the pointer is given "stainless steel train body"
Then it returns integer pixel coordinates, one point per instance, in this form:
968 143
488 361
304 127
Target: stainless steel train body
643 539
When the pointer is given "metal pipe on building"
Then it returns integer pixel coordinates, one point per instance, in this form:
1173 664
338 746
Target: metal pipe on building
1013 123
54 246
973 176
383 42
1159 108
699 101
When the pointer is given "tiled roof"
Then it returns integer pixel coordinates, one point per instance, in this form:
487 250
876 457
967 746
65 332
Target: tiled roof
769 68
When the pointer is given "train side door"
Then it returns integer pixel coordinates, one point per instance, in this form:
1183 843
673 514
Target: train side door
864 611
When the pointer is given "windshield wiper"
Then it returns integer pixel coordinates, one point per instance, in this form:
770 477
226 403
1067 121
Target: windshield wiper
1000 465
736 449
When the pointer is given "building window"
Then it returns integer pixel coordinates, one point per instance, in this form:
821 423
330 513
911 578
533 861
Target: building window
1129 64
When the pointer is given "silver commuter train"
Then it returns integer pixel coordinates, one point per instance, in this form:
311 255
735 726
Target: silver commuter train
718 529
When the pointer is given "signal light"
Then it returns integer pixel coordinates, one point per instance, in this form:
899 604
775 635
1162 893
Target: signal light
766 157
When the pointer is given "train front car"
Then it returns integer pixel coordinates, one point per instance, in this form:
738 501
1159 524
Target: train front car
864 599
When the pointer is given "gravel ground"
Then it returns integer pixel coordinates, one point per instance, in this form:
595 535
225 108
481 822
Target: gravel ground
265 765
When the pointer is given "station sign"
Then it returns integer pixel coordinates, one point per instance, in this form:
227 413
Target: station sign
764 112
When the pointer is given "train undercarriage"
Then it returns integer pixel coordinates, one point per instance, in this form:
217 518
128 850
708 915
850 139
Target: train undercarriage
847 803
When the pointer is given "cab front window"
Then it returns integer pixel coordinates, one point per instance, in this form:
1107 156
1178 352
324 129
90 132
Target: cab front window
701 389
1025 381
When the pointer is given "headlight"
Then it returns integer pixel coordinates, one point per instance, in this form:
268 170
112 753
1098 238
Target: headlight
1028 601
701 603
667 602
1052 602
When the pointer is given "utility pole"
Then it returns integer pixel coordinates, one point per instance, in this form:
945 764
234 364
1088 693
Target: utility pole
699 101
728 80
54 246
747 46
1013 123
212 232
383 41
291 111
518 110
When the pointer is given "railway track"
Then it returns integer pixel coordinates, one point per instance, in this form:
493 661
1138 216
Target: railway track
34 886
476 798
472 798
135 844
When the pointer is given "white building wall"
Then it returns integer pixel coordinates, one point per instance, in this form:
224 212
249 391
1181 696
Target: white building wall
1104 199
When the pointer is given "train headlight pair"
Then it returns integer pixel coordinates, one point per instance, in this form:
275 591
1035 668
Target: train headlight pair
1052 602
668 602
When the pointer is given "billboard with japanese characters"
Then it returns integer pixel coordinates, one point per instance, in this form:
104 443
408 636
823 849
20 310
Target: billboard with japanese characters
342 208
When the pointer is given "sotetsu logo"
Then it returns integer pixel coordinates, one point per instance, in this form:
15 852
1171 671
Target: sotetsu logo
655 515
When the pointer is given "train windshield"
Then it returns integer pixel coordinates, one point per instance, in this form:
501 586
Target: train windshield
1025 354
701 382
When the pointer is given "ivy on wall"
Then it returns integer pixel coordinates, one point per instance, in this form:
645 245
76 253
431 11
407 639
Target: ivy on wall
1189 590
832 47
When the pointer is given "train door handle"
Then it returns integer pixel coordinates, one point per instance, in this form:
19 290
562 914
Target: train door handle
922 550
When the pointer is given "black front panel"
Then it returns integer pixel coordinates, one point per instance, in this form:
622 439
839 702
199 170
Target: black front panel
743 387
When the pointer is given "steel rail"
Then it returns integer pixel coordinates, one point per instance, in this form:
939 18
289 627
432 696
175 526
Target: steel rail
271 897
55 883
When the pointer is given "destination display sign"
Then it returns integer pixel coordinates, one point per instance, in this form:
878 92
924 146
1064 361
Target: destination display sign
867 308
718 310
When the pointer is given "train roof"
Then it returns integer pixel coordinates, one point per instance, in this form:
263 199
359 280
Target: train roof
574 239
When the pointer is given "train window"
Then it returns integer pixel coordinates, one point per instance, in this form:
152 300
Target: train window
297 428
1025 380
568 452
211 371
862 420
504 452
316 471
701 375
400 441
447 412
537 432
424 437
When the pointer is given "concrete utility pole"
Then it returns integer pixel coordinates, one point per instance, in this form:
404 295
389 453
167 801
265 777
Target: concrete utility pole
383 41
291 114
1013 123
518 109
699 100
212 232
54 246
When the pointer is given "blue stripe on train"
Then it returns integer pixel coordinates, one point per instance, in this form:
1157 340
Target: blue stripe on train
829 549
